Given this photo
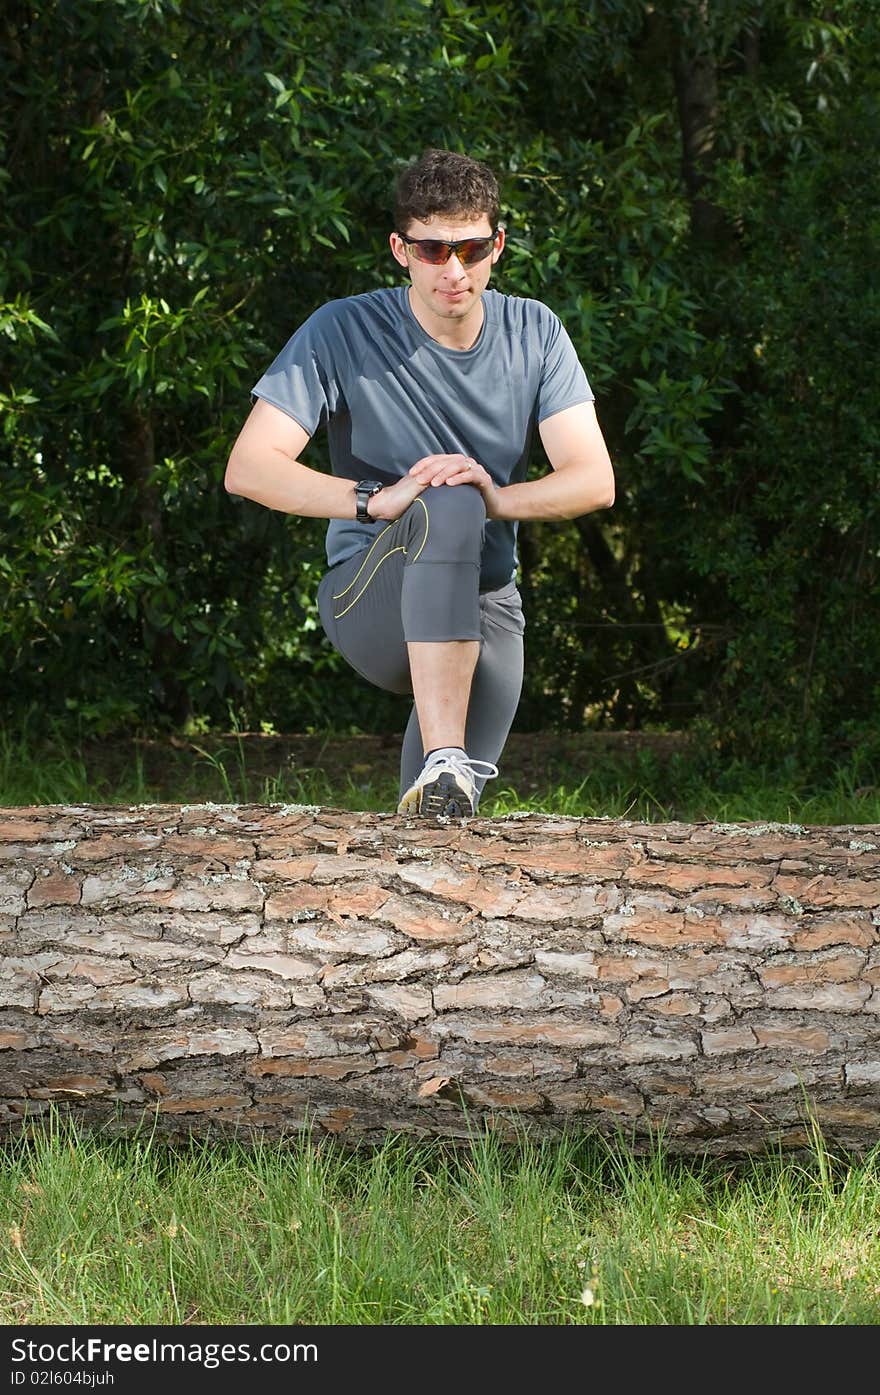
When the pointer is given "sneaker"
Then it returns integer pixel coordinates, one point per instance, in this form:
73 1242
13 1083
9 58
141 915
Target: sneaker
447 787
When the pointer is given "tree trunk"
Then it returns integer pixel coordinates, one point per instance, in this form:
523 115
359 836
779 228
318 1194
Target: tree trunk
696 91
137 461
260 969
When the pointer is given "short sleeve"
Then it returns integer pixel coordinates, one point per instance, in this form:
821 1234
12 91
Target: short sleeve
303 379
563 381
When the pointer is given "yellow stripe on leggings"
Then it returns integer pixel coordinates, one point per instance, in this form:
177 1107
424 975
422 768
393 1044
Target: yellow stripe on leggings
340 594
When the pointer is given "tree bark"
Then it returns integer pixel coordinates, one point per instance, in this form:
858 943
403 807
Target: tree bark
261 969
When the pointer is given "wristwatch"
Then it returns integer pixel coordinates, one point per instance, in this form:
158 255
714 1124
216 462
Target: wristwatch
363 491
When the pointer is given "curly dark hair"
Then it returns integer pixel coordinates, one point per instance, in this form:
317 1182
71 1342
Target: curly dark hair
441 181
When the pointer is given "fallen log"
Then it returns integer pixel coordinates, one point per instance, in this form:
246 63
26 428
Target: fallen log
261 969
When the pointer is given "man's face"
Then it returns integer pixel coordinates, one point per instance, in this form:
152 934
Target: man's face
450 291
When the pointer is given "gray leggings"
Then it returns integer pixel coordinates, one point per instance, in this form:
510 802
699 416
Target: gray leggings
420 580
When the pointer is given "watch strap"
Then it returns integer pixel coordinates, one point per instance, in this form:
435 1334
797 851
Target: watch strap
363 491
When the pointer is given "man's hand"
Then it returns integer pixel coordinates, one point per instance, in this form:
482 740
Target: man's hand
394 499
457 469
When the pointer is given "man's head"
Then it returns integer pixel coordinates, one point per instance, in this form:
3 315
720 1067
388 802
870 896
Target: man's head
447 235
443 182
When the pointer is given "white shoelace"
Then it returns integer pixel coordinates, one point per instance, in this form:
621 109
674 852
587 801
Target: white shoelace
464 765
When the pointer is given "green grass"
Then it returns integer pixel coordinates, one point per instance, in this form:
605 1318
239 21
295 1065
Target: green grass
96 1230
644 787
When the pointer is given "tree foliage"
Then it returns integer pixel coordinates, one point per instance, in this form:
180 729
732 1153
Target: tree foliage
693 188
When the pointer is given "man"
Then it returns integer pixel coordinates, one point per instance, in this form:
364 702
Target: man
430 394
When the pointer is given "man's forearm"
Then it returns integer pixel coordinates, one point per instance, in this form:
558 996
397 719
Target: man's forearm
280 483
564 493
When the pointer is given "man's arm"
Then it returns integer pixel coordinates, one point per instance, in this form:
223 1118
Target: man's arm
581 480
264 466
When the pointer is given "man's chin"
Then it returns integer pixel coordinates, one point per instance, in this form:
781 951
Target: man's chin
454 312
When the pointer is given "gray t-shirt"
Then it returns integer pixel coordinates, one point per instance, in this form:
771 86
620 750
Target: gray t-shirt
389 394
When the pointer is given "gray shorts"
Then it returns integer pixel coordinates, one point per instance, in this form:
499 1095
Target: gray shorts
419 580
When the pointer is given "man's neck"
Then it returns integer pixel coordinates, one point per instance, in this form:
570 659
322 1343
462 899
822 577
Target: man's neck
452 334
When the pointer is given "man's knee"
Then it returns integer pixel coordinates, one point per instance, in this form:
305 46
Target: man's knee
463 503
456 516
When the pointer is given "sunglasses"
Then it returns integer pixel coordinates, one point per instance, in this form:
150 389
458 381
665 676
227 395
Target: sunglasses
469 251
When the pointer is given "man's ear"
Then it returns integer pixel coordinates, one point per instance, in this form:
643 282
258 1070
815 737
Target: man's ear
398 249
499 246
